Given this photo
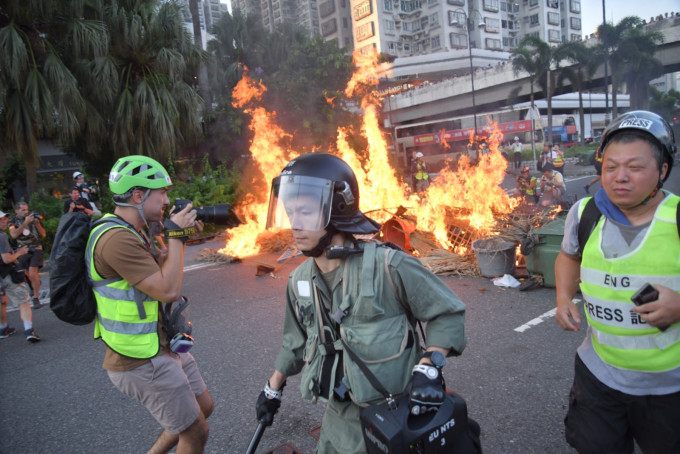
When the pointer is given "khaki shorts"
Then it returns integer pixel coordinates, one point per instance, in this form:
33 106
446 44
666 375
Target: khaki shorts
167 385
17 293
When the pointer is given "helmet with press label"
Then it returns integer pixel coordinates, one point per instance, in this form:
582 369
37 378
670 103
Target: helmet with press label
652 125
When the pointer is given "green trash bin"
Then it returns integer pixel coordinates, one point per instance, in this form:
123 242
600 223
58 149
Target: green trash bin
542 258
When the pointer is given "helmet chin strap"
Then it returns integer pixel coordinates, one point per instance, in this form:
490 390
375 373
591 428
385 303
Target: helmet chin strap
323 243
139 207
652 194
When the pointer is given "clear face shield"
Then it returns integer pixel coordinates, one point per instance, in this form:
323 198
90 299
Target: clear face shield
300 203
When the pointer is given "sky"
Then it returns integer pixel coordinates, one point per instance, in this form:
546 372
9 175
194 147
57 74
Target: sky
615 10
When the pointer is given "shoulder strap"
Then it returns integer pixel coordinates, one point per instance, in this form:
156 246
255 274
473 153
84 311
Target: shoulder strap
586 224
591 215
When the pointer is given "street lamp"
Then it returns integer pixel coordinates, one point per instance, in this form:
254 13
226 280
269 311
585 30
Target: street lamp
468 27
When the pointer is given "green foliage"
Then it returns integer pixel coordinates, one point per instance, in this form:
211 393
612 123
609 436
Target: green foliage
664 104
210 187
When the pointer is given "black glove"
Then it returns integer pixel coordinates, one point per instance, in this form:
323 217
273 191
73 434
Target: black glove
266 407
426 389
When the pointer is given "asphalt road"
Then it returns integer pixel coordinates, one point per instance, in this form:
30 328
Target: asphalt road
515 372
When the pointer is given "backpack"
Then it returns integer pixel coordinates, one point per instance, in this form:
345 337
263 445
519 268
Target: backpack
591 216
71 297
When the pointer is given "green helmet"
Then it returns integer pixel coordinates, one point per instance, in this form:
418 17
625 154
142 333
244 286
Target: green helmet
137 171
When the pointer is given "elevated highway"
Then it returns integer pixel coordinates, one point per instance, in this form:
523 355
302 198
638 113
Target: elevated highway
495 85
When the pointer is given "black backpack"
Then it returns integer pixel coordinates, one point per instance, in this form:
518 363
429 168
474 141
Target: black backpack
71 297
590 217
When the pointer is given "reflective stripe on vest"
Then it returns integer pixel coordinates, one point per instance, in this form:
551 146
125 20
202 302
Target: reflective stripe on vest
558 161
619 335
118 321
421 172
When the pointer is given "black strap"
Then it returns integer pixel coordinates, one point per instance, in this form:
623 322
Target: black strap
590 217
367 372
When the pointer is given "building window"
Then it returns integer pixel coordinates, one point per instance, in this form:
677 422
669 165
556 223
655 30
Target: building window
458 40
552 3
575 6
554 36
345 22
389 25
492 25
435 42
575 23
553 18
367 50
329 27
490 5
434 19
327 8
362 10
492 43
509 42
410 5
575 37
388 5
456 2
533 20
456 18
430 2
365 31
533 3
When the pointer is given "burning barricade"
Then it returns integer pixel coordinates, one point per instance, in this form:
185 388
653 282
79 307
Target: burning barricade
439 225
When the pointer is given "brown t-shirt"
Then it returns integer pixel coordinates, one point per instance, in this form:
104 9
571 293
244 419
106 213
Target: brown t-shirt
119 253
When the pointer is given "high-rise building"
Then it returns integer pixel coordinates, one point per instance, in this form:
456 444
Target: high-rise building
336 22
247 7
412 27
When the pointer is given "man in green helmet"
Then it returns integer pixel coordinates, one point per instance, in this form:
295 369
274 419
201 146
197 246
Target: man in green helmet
129 283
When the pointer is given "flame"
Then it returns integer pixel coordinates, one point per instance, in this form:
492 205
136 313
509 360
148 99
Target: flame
468 196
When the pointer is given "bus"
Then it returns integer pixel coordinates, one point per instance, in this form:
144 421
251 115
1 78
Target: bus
448 137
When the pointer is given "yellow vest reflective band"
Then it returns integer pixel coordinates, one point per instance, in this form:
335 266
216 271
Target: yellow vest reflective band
127 319
558 161
421 172
619 335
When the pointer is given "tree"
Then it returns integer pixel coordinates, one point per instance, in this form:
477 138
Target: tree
582 70
40 95
630 52
527 59
140 94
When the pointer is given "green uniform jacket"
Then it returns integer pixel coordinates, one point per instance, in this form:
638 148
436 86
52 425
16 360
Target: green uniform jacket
383 292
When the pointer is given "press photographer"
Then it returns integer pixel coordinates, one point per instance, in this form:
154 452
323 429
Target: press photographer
88 190
27 230
77 203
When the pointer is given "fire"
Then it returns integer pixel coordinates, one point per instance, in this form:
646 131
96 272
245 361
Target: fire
467 197
269 159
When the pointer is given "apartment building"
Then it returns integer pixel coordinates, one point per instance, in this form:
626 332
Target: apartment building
415 27
336 22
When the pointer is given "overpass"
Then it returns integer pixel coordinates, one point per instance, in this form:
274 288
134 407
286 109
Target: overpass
495 84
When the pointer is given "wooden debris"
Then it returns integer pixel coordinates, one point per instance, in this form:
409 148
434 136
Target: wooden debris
214 255
446 263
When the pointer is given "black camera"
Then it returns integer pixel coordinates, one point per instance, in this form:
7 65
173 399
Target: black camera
37 216
219 213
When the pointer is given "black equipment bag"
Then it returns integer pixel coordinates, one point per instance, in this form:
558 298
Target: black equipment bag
391 429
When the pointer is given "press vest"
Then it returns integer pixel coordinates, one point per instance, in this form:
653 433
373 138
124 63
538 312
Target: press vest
530 188
127 319
421 171
558 161
376 327
619 336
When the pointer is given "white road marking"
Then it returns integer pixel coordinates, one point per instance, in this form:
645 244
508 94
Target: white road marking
538 320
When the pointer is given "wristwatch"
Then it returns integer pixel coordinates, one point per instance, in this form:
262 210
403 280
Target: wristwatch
437 358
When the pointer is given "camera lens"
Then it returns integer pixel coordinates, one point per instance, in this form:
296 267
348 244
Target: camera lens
217 214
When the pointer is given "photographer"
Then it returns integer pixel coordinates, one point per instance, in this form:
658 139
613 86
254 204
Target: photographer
552 186
77 203
27 230
15 291
139 358
87 192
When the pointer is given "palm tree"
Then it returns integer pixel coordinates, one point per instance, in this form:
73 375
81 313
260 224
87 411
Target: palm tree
630 50
533 60
42 44
141 99
582 70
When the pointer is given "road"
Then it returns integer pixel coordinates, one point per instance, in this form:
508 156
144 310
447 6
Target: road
515 372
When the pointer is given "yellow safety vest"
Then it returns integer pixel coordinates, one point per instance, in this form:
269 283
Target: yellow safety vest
421 171
619 336
558 161
127 319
